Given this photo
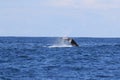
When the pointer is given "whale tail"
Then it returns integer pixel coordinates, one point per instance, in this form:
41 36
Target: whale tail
71 41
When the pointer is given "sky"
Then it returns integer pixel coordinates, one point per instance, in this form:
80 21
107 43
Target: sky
56 18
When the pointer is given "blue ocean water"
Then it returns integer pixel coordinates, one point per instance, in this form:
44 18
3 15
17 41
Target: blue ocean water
33 58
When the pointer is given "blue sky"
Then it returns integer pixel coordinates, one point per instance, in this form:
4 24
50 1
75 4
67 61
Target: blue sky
79 18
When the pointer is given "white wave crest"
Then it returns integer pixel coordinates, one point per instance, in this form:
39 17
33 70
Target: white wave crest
60 46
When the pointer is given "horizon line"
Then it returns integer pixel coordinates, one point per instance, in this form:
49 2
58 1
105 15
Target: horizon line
62 36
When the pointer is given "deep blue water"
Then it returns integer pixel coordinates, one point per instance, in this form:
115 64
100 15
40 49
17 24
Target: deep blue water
32 59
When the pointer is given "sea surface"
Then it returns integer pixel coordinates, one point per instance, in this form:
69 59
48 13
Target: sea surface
46 58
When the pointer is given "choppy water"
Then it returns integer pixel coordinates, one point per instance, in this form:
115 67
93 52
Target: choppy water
34 59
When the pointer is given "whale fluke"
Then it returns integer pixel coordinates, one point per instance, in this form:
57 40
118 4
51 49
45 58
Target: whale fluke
71 41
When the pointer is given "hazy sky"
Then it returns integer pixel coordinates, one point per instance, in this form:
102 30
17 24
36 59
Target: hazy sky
82 18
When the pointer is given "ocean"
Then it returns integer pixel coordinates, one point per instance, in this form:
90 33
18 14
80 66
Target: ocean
46 58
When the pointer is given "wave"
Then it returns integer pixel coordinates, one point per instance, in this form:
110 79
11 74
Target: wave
59 46
101 45
112 45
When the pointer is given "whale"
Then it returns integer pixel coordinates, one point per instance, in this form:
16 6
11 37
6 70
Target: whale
71 41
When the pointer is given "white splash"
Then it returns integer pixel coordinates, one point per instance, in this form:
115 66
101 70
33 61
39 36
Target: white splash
60 43
55 46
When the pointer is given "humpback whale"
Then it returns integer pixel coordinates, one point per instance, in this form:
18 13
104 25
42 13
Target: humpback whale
71 41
